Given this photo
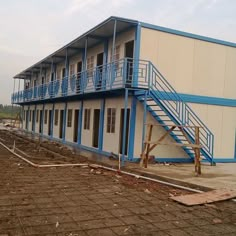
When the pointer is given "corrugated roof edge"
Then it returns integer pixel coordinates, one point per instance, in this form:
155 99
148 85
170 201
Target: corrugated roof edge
80 37
188 35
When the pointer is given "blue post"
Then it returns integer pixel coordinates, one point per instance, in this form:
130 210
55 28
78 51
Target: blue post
80 121
67 72
124 128
144 118
64 123
84 66
105 61
101 125
136 54
112 55
132 128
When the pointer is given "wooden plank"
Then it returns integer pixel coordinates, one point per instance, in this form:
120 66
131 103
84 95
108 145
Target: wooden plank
205 197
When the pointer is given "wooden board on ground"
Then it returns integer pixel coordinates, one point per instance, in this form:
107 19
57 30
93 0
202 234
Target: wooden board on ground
205 197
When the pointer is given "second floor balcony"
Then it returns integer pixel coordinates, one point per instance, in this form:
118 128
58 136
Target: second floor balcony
124 73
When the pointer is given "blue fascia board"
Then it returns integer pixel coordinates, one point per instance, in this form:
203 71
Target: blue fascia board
223 160
200 99
188 35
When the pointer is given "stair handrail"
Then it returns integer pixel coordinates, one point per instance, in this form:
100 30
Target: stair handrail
208 147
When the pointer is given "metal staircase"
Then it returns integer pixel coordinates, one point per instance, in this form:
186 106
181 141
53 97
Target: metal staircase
167 107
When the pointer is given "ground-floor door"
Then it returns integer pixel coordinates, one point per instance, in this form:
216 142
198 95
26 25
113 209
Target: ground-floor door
50 123
122 123
33 121
61 123
40 121
96 122
76 125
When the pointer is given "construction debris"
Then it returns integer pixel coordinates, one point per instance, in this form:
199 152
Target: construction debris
205 197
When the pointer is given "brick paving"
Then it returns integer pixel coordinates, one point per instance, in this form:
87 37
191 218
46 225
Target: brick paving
76 201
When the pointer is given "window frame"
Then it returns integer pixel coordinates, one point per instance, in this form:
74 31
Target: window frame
87 117
111 120
69 117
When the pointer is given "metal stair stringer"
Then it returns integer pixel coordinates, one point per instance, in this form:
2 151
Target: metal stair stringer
161 94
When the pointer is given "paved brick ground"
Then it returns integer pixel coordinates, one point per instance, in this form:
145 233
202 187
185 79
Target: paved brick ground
76 201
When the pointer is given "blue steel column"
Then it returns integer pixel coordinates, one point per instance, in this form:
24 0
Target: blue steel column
136 54
80 121
101 125
132 128
84 55
84 65
112 54
144 118
67 72
105 61
64 123
125 125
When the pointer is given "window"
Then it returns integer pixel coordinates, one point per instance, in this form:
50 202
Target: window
90 65
37 116
56 117
45 116
111 120
72 69
69 118
87 119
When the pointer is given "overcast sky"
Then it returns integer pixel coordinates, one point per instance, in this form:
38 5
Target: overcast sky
31 29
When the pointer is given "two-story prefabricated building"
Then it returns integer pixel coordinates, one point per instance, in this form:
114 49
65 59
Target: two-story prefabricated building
99 91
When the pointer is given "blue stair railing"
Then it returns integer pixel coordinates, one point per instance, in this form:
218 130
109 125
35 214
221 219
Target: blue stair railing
162 93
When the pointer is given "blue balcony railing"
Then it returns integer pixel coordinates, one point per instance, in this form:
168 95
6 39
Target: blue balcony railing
116 75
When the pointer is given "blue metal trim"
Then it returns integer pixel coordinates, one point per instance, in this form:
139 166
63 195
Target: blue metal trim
174 160
101 125
188 35
52 119
136 53
223 160
64 123
124 128
200 99
80 121
132 128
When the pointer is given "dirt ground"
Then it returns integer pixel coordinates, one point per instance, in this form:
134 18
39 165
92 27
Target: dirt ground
76 201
